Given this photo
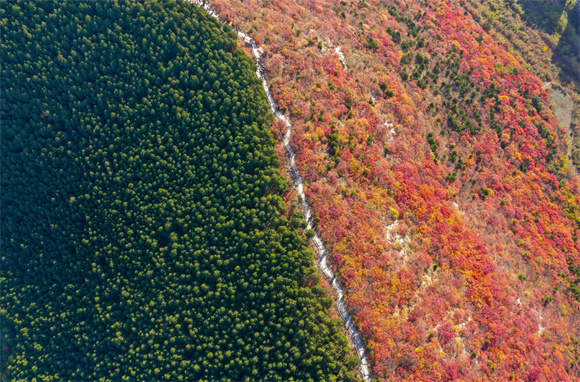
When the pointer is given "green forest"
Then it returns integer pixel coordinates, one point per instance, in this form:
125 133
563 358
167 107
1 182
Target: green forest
143 232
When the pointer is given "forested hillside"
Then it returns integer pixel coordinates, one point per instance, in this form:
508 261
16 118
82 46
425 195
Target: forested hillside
147 232
143 232
546 33
439 177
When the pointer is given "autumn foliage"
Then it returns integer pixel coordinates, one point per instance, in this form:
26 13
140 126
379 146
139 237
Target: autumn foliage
438 176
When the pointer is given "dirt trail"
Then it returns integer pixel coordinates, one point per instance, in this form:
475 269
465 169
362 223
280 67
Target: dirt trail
299 186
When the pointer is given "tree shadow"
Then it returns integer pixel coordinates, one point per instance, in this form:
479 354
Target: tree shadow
543 14
547 16
567 52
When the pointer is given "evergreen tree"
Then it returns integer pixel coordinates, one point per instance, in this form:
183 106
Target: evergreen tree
143 232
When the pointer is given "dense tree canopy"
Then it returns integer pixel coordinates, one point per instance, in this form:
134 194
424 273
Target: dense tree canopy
143 234
438 176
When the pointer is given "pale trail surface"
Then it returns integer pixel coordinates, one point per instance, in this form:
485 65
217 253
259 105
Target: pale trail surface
299 185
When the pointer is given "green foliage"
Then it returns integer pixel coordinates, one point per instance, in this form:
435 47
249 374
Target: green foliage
396 35
452 124
334 144
453 156
143 235
388 93
573 279
406 58
433 144
485 192
372 43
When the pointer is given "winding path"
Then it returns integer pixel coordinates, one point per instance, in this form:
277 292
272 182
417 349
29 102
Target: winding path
299 186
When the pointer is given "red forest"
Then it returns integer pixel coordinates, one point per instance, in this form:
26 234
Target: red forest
438 176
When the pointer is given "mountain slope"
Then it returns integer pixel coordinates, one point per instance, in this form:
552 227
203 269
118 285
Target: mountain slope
438 176
143 232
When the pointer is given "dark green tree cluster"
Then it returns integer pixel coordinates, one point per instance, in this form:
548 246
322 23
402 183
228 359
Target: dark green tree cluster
143 234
